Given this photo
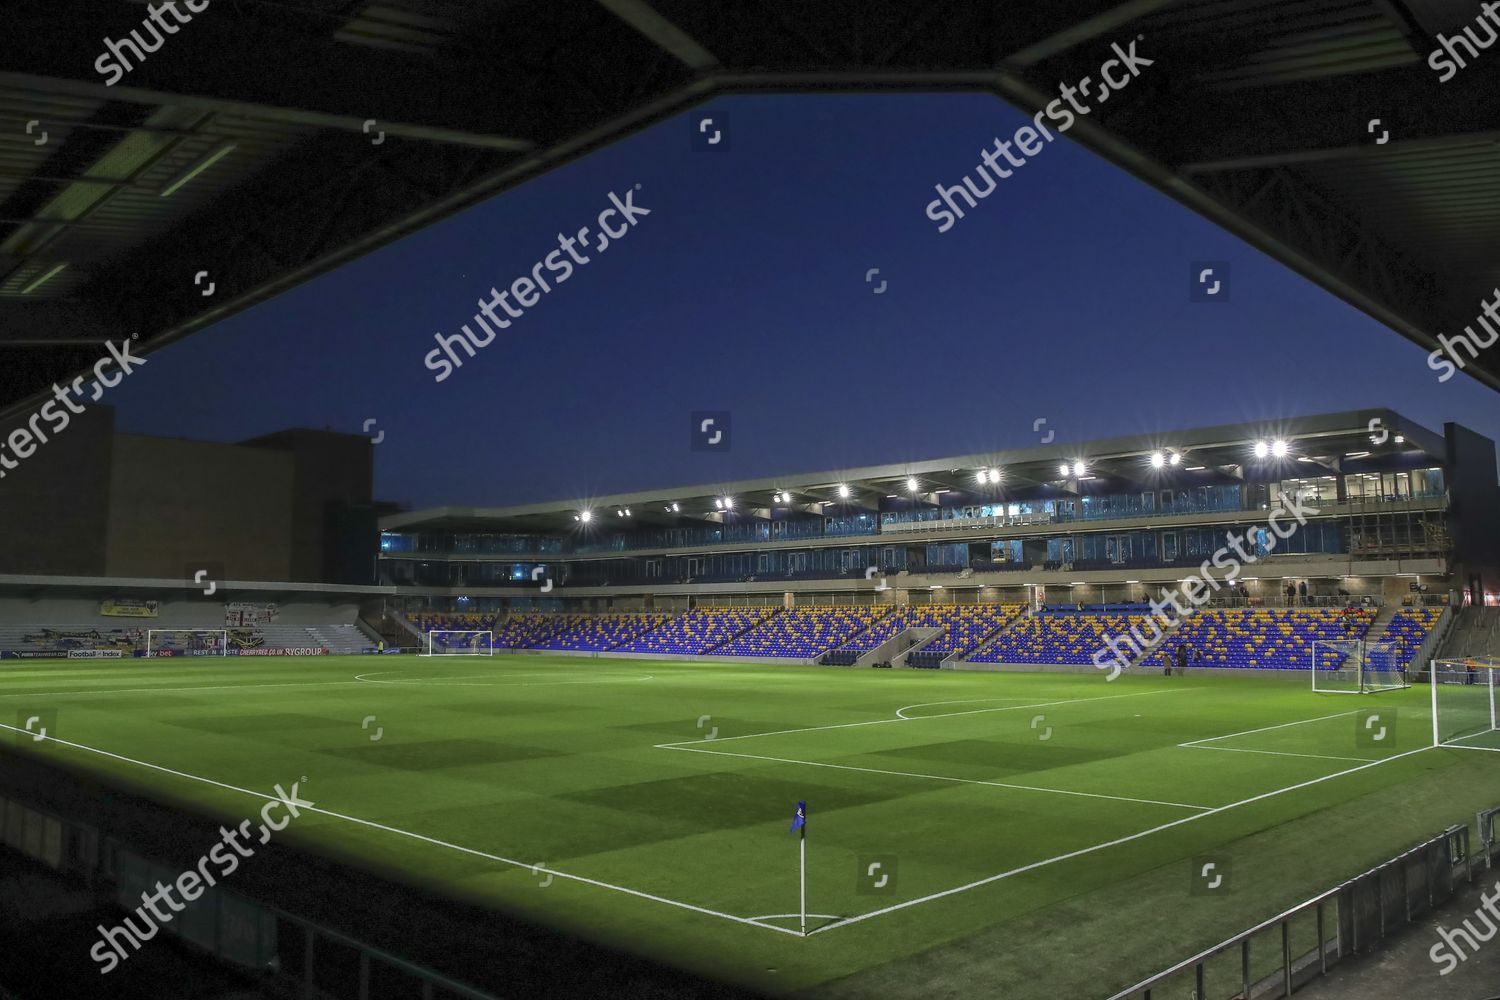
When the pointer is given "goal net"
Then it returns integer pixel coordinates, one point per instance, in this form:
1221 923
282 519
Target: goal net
447 642
1357 666
187 642
1463 703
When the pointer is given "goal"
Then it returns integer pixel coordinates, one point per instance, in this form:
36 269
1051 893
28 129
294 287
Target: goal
187 642
1357 666
450 642
1464 703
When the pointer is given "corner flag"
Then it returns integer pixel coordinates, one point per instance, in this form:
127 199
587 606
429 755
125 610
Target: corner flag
799 823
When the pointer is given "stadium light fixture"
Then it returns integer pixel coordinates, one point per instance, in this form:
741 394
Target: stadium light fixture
1357 454
912 484
1262 449
1400 439
1278 448
1079 468
1176 459
843 491
1158 460
1063 468
718 503
1195 468
585 516
729 503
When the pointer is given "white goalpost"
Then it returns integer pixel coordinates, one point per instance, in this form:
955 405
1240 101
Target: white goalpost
1356 666
187 641
460 642
1465 713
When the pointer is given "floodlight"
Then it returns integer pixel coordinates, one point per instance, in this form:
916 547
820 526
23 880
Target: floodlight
843 491
1262 449
1176 459
911 484
1158 460
1063 468
1079 468
1278 448
585 516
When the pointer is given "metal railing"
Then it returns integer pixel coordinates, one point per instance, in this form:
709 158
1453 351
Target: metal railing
1349 919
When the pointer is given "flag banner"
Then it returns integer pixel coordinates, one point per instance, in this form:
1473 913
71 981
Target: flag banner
799 820
112 607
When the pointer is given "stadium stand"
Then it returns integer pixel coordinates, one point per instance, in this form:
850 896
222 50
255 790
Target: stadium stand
1056 638
965 627
1408 629
600 633
801 633
697 632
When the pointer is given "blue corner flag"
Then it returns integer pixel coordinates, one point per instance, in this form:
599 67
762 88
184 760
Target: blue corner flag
799 820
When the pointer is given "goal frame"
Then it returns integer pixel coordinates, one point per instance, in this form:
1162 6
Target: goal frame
1487 675
432 644
1361 682
222 632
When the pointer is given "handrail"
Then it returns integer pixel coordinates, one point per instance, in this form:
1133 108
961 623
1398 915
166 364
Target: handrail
1197 961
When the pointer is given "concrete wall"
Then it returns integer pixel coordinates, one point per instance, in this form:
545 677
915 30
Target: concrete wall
180 504
54 504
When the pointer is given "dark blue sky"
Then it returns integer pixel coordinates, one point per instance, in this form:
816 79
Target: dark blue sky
1063 295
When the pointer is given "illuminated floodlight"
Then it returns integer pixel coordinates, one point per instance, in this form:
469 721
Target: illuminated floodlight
1063 468
729 503
1278 448
585 516
718 503
843 491
1176 459
1158 460
1400 439
912 484
1079 468
1262 449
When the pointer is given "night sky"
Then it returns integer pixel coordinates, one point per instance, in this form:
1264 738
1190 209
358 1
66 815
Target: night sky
1063 295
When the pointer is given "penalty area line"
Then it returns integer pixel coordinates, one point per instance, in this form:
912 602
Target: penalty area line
1107 844
534 868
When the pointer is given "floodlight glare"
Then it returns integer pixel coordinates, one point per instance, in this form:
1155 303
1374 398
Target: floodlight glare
843 491
1158 460
1079 468
911 484
1262 449
585 516
1278 449
1063 468
1176 458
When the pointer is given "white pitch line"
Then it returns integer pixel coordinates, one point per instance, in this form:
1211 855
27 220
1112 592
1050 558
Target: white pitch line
901 712
1107 844
933 777
1267 729
1280 753
161 690
917 718
529 866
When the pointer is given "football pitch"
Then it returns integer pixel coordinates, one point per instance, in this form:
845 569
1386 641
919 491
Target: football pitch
1047 835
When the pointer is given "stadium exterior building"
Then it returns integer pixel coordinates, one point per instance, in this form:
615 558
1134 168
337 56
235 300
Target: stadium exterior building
1400 514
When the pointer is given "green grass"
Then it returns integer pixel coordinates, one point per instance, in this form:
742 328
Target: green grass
558 761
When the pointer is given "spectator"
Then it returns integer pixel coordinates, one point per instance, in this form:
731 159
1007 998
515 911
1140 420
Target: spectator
1302 590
